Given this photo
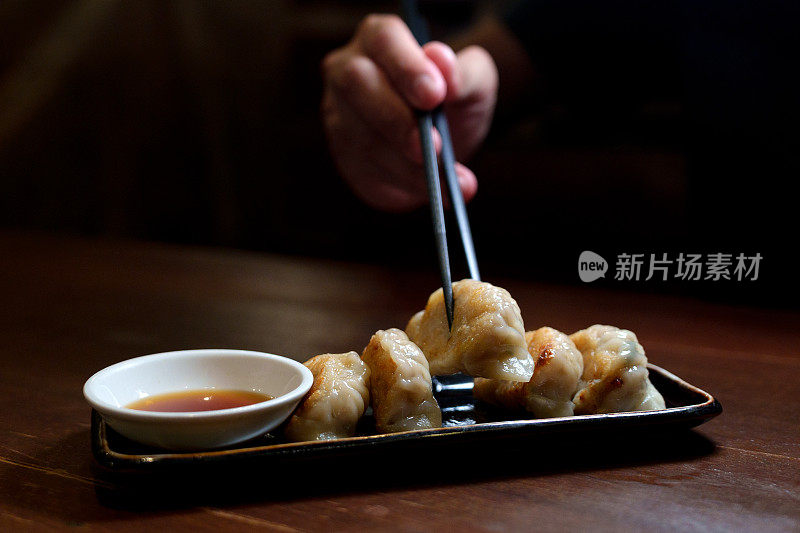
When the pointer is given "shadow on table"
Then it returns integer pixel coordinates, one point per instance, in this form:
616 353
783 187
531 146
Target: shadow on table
441 466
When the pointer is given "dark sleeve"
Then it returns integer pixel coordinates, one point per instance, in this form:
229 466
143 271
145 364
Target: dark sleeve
621 49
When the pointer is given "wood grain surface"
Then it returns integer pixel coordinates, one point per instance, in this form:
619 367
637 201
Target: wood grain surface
72 306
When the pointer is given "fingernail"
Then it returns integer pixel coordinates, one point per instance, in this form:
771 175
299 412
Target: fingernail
426 87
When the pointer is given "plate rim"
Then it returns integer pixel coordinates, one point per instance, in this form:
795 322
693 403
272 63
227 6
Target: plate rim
699 412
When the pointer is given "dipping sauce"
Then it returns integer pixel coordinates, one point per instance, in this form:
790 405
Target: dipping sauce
187 401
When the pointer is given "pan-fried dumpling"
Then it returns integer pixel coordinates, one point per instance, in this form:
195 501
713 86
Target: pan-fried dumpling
337 399
615 377
400 384
487 339
558 370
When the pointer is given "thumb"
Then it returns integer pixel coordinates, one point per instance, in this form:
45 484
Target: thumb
477 74
471 106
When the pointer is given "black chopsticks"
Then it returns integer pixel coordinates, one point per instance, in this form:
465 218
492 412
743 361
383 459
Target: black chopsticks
454 191
426 121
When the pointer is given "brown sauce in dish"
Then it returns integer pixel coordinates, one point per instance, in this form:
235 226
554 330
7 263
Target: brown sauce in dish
187 401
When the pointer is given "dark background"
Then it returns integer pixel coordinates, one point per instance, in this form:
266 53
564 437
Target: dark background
198 122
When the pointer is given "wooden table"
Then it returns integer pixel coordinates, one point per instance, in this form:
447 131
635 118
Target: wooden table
70 307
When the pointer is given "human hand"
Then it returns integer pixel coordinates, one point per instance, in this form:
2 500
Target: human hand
371 86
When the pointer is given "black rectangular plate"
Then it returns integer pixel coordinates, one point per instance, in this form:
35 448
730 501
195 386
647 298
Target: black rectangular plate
465 421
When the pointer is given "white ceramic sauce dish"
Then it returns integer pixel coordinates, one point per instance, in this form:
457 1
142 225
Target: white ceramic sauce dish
116 386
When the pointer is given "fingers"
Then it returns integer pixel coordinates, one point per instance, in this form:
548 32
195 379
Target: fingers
414 147
445 60
389 43
372 86
378 174
375 171
365 90
478 75
359 82
467 181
